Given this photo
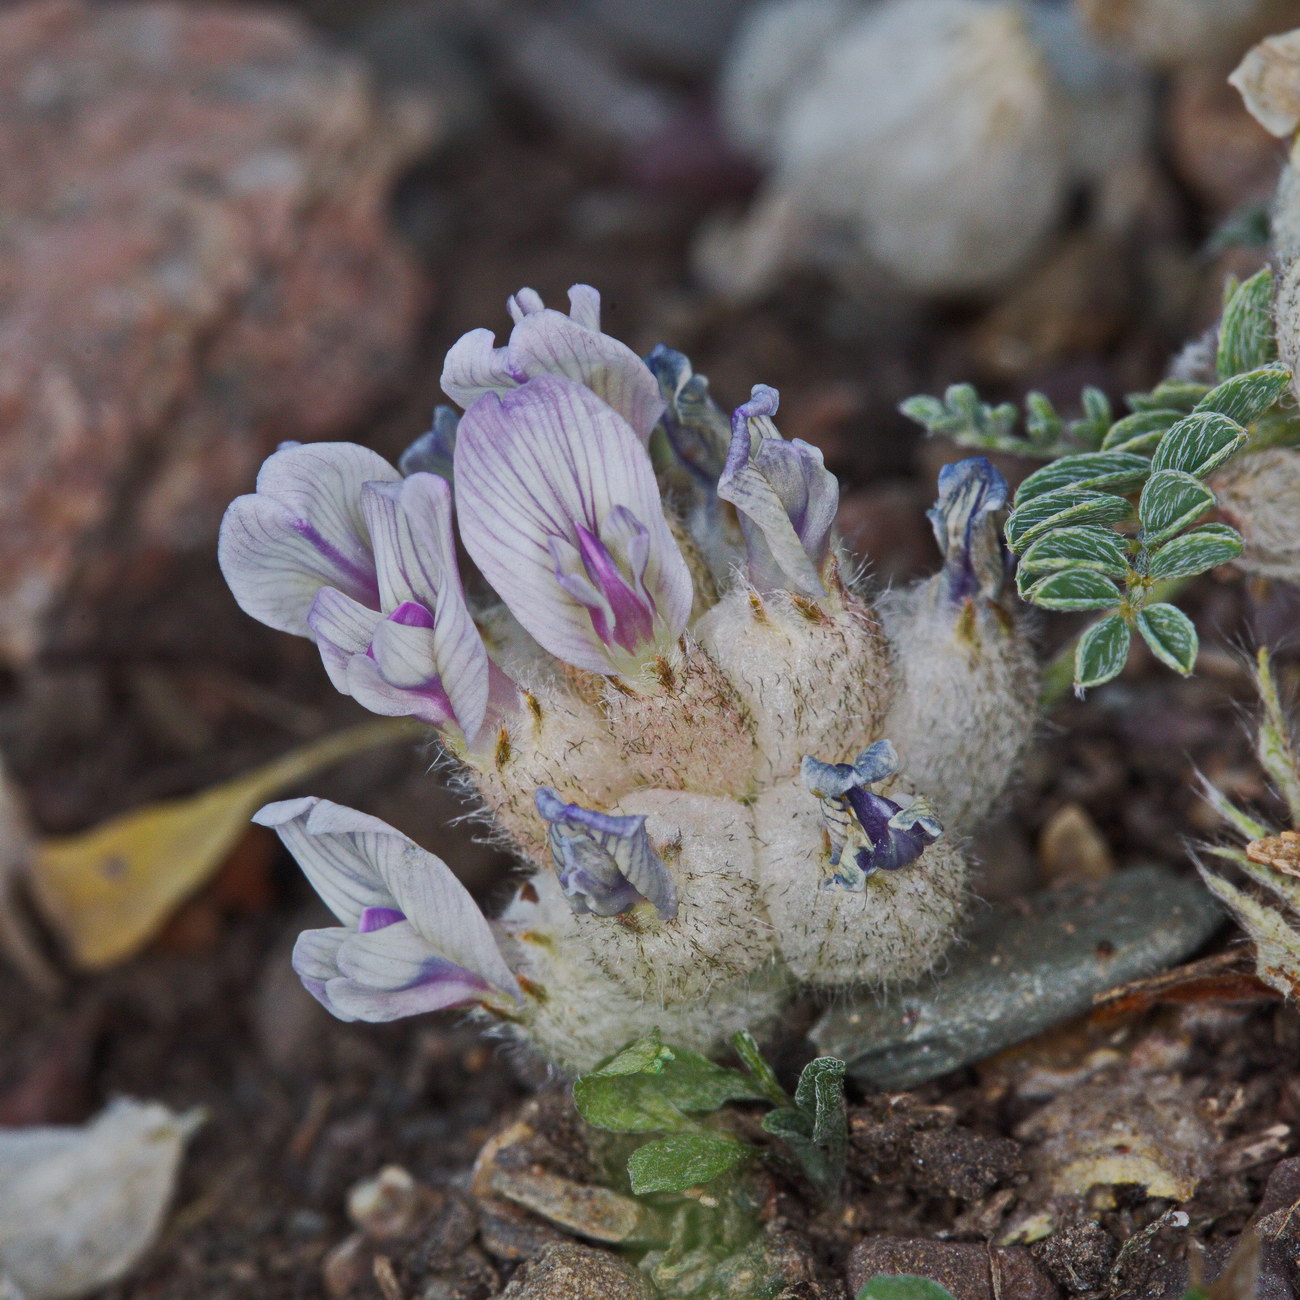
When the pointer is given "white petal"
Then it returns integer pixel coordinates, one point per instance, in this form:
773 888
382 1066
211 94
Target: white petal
336 865
551 343
343 628
300 531
531 466
474 366
415 556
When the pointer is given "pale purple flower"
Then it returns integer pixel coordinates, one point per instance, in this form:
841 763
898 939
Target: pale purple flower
411 939
560 510
868 832
547 342
971 492
302 530
336 546
605 864
785 496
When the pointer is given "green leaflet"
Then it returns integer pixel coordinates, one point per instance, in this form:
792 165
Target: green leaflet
649 1087
1171 636
1196 552
1170 501
1057 509
815 1128
1246 330
1115 470
1102 652
1074 589
1198 444
682 1160
1245 397
1080 547
1141 431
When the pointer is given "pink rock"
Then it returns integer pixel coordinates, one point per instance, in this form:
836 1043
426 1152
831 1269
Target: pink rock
194 266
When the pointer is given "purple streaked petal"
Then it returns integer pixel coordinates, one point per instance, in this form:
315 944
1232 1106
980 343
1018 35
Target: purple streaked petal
632 609
378 918
338 870
315 961
605 863
536 465
368 686
342 628
474 366
551 343
785 496
524 303
420 885
415 559
396 957
302 530
976 561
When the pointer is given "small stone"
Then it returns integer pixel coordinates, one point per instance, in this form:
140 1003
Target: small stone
569 1272
1072 849
197 264
585 1210
391 1204
1023 969
1079 1256
970 1270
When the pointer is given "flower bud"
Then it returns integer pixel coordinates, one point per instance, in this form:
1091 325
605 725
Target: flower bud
894 928
814 675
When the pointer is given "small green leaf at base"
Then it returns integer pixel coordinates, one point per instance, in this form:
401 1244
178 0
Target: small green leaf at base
648 1086
903 1286
1171 636
1102 653
682 1160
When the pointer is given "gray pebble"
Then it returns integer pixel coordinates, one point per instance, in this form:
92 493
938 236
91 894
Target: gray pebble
1024 968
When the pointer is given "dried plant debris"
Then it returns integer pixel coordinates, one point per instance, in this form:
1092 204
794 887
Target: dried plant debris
1267 903
80 1206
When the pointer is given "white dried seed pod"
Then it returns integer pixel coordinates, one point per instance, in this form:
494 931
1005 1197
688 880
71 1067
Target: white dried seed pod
681 726
815 676
1268 80
895 929
777 50
557 739
967 702
951 170
575 1016
79 1206
1259 494
1178 33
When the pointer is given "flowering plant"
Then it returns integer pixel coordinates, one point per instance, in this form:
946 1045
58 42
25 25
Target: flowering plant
728 772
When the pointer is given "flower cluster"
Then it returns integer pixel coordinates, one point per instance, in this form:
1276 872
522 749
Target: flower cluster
727 775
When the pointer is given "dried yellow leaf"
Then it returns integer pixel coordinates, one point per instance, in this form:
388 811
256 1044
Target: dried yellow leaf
107 891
